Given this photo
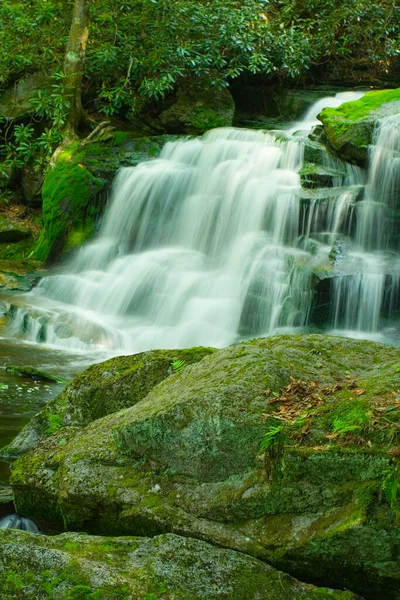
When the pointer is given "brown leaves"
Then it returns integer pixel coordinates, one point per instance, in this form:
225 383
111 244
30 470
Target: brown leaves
298 397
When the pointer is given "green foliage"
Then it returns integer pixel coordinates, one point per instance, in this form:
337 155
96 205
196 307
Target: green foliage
141 49
348 416
390 485
272 438
55 423
177 365
23 144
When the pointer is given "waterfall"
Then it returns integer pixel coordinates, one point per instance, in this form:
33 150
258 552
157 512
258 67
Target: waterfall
15 521
372 267
216 240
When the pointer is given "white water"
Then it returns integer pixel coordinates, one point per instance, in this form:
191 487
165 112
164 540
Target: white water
16 522
372 269
211 243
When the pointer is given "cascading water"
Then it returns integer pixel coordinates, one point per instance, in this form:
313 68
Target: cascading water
371 272
217 240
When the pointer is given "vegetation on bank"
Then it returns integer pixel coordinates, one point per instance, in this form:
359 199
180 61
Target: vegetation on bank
139 52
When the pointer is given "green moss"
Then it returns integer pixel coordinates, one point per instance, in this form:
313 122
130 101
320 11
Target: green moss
68 207
55 423
359 109
349 127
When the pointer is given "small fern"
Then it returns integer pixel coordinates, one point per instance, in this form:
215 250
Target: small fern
272 438
341 427
177 365
390 486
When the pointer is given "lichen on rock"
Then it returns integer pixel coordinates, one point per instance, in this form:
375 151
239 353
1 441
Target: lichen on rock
77 566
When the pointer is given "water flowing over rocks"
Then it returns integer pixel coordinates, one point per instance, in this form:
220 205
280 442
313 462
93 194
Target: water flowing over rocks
236 234
277 448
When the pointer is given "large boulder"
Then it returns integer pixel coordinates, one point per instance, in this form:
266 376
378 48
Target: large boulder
276 447
77 566
15 101
101 390
349 127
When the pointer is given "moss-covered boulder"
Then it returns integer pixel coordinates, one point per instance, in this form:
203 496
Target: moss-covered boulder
197 111
76 566
69 207
102 389
349 127
282 448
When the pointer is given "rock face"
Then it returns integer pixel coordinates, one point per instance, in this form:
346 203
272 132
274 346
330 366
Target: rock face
15 102
198 111
349 127
276 447
101 390
76 566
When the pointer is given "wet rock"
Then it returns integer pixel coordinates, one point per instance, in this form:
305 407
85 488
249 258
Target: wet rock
35 374
101 390
317 176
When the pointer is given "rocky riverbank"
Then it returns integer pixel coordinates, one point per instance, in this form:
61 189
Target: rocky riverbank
284 449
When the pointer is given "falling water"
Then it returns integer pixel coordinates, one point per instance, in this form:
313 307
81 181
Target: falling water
216 240
15 521
371 277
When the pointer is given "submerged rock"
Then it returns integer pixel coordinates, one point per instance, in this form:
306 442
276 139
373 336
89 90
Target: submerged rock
168 566
349 127
36 374
275 447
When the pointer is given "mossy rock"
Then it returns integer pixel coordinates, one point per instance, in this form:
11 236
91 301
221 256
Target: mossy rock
69 205
75 191
19 275
349 127
197 111
276 447
12 232
101 390
15 101
317 176
76 566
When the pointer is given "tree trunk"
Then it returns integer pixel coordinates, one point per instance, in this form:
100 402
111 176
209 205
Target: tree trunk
74 61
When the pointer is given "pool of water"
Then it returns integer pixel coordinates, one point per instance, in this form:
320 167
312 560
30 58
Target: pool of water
21 398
